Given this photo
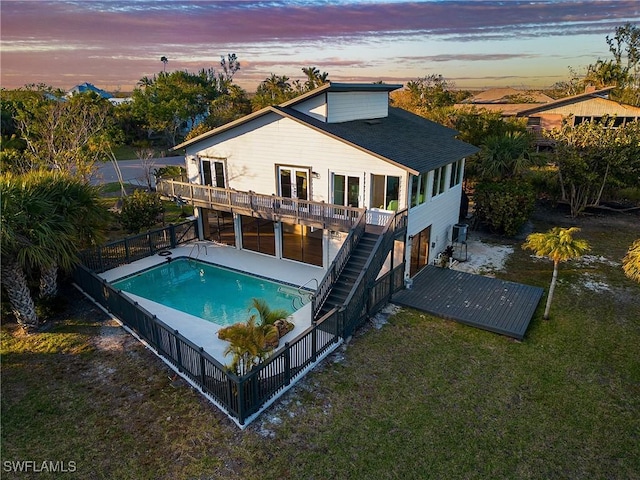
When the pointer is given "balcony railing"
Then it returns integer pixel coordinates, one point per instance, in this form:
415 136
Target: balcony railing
306 212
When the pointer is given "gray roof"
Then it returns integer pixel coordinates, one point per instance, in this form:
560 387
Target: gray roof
402 138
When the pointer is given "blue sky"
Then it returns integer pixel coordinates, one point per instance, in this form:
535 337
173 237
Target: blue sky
472 43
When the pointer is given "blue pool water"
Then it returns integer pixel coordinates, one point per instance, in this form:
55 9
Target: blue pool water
216 294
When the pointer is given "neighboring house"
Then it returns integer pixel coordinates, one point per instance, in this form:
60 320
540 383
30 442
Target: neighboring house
338 148
591 105
88 87
544 113
507 95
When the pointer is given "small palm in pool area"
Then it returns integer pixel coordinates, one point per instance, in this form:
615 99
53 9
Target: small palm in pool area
276 317
249 343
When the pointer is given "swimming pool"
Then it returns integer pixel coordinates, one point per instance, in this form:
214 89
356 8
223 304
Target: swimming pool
219 295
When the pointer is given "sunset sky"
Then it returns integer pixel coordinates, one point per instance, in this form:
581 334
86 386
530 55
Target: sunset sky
472 43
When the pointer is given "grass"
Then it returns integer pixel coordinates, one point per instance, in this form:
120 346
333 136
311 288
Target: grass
418 398
110 197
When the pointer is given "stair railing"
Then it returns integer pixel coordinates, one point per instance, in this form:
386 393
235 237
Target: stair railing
336 267
355 306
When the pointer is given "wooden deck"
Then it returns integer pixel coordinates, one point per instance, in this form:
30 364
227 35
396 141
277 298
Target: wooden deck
488 303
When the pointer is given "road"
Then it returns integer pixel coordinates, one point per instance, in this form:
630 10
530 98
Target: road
133 171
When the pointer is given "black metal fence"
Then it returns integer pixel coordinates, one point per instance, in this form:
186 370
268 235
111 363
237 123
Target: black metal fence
240 397
130 249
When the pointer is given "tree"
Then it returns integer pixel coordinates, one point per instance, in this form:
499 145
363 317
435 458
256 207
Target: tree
594 156
504 156
249 343
171 100
431 91
226 108
229 66
626 42
315 79
164 61
140 210
631 262
272 91
504 205
559 245
78 204
605 73
265 314
272 317
46 218
68 135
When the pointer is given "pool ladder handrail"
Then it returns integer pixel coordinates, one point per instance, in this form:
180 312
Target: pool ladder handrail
301 292
200 246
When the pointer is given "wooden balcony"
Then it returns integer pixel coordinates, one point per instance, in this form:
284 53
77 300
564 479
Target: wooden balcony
272 207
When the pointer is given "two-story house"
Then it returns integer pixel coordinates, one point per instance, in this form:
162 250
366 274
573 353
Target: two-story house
339 148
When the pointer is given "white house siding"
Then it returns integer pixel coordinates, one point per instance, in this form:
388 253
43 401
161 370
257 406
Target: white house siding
252 156
347 106
441 212
315 107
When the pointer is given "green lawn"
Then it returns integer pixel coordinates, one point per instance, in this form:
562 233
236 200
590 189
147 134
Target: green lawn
418 398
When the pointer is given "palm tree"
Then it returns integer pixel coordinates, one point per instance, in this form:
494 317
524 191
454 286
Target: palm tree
249 343
631 262
79 205
266 315
46 218
505 156
27 237
278 317
558 245
314 77
164 61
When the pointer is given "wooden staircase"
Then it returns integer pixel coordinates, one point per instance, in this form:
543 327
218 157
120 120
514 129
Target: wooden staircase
350 273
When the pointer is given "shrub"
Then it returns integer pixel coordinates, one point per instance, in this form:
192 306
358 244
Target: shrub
504 206
140 210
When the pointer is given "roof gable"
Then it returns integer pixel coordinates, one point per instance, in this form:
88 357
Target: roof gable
401 138
566 101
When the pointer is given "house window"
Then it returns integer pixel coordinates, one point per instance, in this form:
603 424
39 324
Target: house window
302 243
419 189
456 173
258 235
213 173
293 182
384 192
345 190
439 181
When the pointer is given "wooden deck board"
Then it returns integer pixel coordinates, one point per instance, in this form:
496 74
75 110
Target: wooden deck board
483 302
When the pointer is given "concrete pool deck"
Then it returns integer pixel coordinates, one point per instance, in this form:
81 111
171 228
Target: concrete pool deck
202 332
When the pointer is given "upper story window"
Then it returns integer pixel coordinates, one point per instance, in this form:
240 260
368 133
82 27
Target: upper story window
439 181
456 173
419 189
213 173
384 192
293 182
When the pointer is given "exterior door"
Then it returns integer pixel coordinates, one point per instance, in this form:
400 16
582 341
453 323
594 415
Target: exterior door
213 173
346 190
293 182
420 251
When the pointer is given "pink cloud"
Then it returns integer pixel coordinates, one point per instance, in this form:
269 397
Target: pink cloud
118 42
